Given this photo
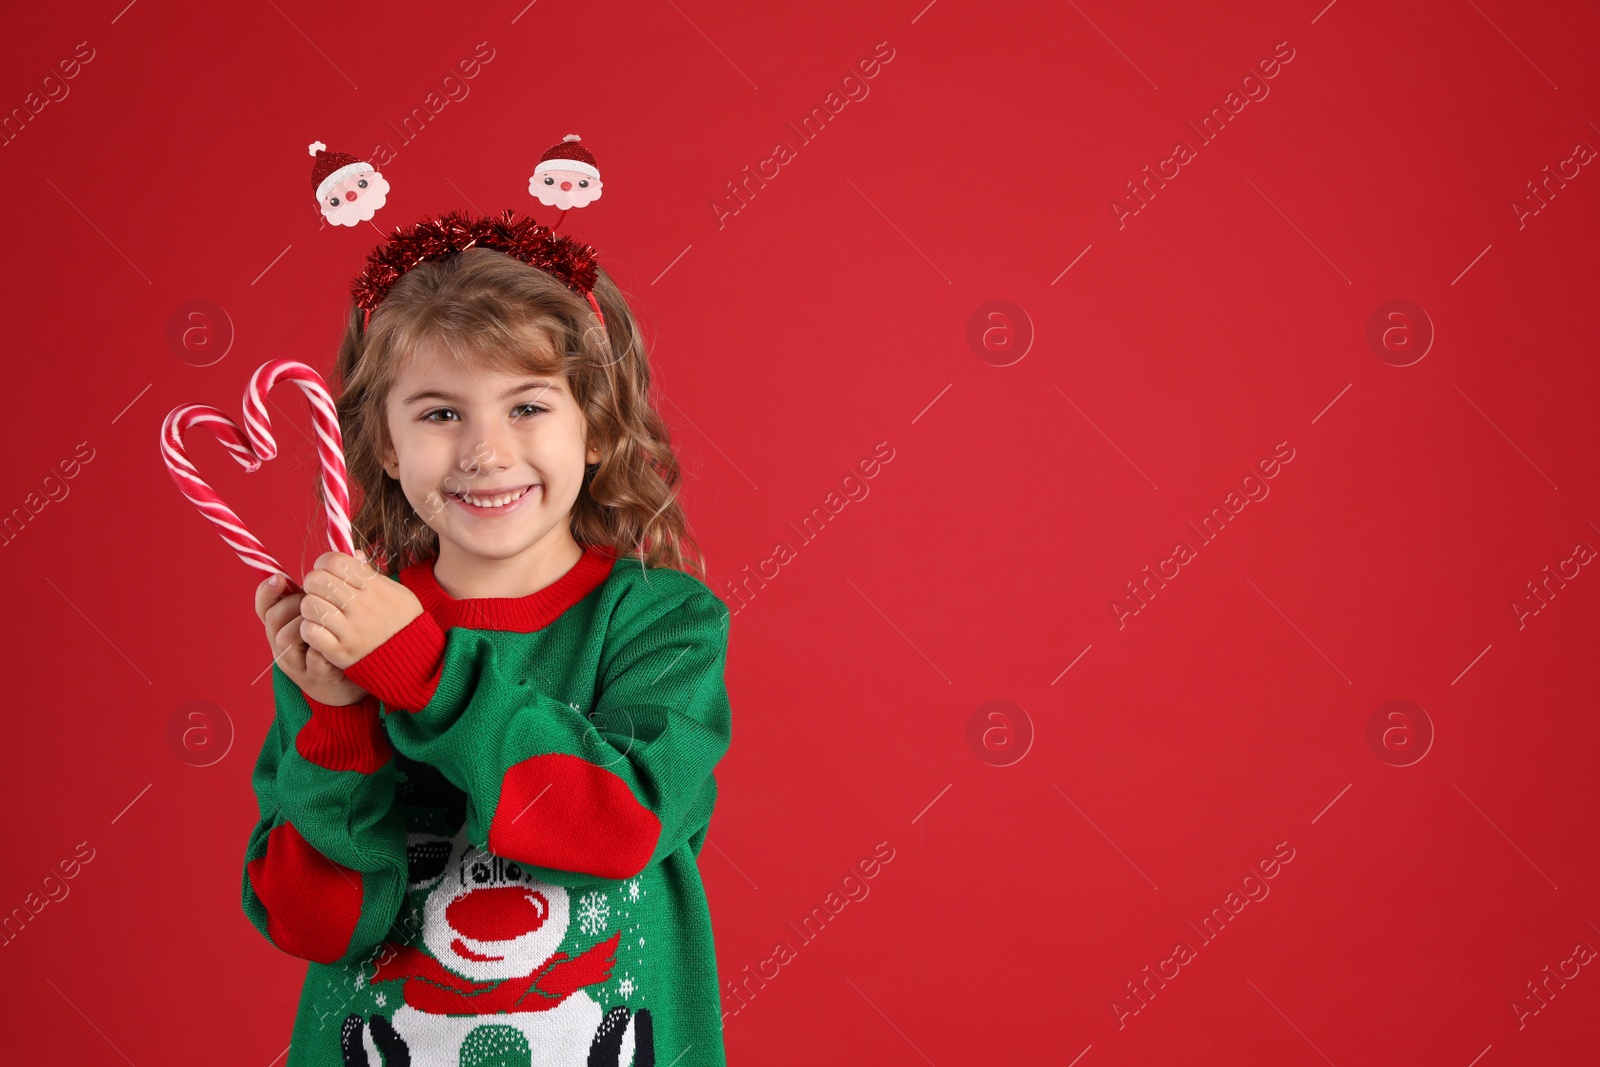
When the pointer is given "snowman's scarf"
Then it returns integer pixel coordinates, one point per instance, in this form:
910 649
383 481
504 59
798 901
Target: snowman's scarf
430 987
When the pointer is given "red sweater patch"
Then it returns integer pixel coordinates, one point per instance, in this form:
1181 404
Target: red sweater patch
313 903
559 810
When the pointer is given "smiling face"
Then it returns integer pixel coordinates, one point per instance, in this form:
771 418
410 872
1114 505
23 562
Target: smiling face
493 462
355 198
565 188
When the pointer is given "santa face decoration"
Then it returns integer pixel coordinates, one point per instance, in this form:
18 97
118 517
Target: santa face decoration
348 190
566 176
355 198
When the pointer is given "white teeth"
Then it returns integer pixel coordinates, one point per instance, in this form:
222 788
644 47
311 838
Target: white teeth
498 500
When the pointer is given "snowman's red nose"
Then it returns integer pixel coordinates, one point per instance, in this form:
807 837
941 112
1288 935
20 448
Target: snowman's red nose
350 194
565 186
501 913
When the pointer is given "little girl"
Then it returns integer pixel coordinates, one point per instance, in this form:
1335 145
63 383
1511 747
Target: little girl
490 772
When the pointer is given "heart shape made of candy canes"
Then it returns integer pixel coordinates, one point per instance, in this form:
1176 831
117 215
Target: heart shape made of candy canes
252 446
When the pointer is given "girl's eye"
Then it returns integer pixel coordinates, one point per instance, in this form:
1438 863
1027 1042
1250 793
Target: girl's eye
533 409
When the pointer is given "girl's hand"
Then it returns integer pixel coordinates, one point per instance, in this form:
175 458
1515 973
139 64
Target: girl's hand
350 608
306 667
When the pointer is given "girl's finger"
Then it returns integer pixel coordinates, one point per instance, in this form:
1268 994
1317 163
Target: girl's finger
354 571
291 650
267 594
315 607
320 667
318 638
316 665
284 610
336 587
325 614
288 634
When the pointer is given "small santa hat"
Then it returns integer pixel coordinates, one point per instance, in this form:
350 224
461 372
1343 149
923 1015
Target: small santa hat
569 155
332 167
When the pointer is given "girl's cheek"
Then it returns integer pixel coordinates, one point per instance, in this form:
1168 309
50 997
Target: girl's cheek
432 504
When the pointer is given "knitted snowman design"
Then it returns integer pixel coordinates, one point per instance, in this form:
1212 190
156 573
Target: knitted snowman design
493 989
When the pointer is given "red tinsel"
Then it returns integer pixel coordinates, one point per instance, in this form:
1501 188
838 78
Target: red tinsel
537 245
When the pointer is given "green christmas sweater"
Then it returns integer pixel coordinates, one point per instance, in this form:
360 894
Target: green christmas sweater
491 859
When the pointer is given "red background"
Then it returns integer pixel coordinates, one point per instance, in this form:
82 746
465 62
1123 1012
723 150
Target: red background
829 314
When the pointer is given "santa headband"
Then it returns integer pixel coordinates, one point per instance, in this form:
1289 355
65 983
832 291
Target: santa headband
573 262
568 155
330 168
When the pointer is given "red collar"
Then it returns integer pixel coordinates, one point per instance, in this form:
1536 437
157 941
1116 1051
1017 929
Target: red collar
523 614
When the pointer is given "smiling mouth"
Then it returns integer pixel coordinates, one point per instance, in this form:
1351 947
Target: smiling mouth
493 501
461 947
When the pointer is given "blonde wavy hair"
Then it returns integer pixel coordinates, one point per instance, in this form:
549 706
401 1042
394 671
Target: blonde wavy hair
493 312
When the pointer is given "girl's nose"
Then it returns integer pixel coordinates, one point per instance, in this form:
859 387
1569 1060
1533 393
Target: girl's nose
492 449
566 186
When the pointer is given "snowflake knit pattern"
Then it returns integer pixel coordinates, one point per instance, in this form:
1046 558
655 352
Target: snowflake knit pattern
490 861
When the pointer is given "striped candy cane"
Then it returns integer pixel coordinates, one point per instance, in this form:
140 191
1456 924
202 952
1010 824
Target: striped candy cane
253 446
330 445
201 495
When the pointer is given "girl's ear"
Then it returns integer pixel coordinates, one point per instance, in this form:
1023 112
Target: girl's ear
391 462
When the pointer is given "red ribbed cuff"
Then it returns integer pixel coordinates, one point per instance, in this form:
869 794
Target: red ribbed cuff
404 670
344 738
